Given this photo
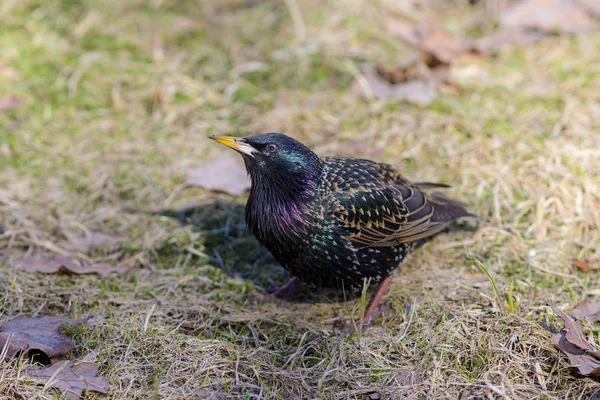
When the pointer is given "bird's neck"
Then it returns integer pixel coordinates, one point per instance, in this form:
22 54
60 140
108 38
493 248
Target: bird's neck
279 209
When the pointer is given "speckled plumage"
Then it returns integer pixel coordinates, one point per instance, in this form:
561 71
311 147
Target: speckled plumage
332 222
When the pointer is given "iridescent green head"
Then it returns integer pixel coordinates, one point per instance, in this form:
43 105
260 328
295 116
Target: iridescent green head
278 161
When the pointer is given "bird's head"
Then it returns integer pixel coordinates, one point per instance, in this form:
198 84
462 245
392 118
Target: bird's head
278 162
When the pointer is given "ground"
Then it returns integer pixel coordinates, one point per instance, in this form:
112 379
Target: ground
119 98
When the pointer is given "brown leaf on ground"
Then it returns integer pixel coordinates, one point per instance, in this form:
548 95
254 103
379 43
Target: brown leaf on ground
407 378
572 342
72 379
224 174
91 240
420 91
509 37
591 6
10 102
585 265
473 276
35 335
417 79
55 264
587 310
437 45
550 16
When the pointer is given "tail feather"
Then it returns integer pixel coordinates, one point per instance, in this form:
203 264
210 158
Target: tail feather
430 185
447 209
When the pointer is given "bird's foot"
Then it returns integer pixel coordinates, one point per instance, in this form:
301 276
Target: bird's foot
284 291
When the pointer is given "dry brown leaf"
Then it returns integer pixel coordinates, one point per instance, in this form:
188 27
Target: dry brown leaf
55 264
587 310
473 276
585 265
572 342
72 379
422 91
509 37
437 45
551 16
10 102
591 6
91 240
408 377
224 174
36 335
437 48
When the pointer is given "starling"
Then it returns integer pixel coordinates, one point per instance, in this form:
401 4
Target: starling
336 222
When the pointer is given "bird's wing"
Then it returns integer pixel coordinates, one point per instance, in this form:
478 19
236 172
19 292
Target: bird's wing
375 208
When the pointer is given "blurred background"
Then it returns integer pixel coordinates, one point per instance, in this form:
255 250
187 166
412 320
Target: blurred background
105 110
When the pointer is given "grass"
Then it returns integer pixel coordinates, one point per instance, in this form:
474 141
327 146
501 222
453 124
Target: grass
119 100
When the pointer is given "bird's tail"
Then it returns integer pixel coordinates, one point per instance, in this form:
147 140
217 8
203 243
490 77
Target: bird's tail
447 209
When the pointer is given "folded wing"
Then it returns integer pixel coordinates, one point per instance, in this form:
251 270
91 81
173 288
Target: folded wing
377 207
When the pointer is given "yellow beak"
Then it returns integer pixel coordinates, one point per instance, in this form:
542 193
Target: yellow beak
238 144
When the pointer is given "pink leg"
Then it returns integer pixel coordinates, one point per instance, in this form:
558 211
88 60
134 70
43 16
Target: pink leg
373 311
288 288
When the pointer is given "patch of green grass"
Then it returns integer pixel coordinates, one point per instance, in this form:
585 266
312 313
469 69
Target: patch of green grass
118 101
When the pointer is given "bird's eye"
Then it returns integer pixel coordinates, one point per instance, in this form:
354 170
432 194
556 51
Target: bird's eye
271 148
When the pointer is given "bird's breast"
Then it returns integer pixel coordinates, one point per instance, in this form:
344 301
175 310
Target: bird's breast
280 227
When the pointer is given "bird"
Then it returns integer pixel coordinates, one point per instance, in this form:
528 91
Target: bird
336 222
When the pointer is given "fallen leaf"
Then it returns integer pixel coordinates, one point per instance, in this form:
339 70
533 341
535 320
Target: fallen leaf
407 382
224 174
571 341
509 37
36 335
10 102
587 310
473 276
408 377
91 240
421 91
72 379
591 6
189 325
585 265
417 82
550 16
436 44
574 332
55 264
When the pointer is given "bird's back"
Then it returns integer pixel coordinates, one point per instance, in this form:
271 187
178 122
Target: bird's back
378 207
